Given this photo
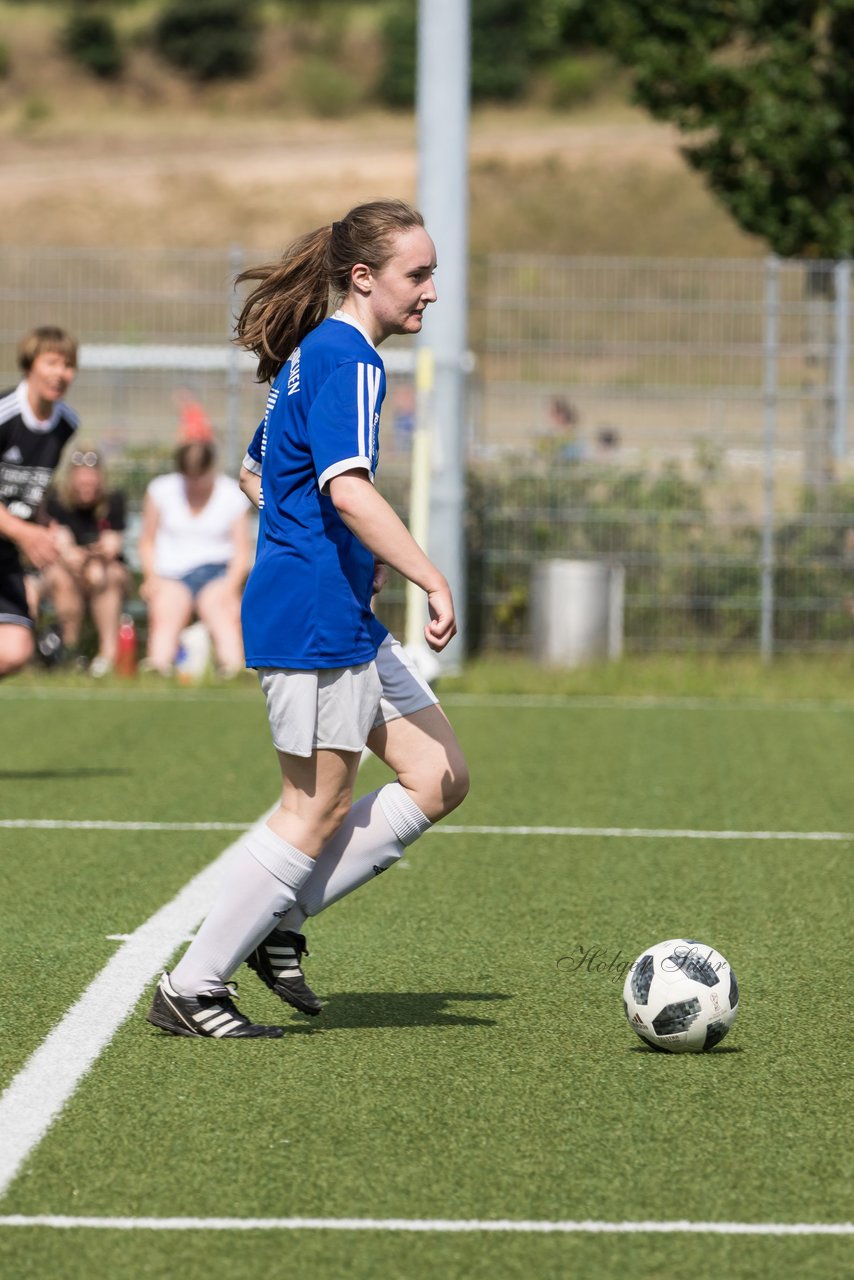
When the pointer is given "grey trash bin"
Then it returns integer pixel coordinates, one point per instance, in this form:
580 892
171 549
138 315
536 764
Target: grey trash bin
576 611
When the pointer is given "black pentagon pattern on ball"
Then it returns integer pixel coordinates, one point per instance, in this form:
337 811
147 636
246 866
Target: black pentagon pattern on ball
715 1032
676 1017
642 979
733 990
694 966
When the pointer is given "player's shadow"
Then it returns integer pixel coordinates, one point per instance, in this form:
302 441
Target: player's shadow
44 775
665 1053
362 1009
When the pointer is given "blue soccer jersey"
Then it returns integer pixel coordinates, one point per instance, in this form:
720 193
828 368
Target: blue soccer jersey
307 602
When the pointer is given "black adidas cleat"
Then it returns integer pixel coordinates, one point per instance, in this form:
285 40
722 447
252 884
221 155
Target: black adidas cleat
213 1014
277 963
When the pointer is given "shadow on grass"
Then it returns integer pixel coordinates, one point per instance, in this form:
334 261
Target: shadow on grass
665 1053
360 1009
18 775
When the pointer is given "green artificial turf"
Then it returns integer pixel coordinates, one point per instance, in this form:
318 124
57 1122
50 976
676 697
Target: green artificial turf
473 1060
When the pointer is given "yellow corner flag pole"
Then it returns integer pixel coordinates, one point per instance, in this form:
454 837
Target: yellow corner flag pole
419 493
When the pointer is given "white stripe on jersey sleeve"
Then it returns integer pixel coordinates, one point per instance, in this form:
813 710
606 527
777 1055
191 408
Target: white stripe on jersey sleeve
360 406
338 468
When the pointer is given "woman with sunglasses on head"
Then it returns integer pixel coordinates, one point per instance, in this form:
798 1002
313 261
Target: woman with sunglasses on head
90 571
334 680
35 426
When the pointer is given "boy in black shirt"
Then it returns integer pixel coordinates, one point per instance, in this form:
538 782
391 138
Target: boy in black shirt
35 425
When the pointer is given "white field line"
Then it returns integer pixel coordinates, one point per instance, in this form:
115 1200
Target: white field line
37 1094
640 702
106 824
644 833
447 829
536 701
433 1225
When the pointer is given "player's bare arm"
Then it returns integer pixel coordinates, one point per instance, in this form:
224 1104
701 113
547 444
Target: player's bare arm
250 484
378 527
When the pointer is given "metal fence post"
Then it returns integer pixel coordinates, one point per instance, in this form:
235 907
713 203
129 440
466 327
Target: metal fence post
769 431
842 294
233 455
442 101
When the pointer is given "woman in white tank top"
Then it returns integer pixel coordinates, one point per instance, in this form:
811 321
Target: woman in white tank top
195 554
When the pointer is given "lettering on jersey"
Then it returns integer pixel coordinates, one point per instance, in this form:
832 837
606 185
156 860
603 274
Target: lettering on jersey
22 488
375 442
293 376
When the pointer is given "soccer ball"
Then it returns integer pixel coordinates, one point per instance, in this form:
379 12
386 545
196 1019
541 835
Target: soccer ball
681 996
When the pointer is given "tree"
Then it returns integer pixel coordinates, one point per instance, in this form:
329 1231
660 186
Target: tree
764 90
508 39
90 38
210 39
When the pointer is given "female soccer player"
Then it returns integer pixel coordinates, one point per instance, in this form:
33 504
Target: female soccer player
333 678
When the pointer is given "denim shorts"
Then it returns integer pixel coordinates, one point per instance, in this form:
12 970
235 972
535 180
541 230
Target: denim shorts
198 578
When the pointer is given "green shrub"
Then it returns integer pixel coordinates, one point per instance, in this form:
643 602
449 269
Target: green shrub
210 39
500 51
90 38
5 60
574 80
326 90
692 580
36 109
396 85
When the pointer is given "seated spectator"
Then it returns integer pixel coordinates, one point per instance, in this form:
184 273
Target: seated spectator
194 549
88 522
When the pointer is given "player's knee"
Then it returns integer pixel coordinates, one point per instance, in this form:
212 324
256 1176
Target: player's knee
443 791
455 785
16 650
334 813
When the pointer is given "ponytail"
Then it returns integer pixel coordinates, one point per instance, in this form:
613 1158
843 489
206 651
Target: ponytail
291 299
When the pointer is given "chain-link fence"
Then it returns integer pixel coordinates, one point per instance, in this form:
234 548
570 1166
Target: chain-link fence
688 420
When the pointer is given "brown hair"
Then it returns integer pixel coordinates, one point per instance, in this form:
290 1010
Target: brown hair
46 337
65 487
293 295
195 458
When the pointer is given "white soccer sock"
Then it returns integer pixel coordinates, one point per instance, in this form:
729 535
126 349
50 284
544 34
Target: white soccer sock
372 837
261 881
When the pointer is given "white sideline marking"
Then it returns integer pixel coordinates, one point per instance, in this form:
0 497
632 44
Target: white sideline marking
640 702
432 1225
445 828
646 833
544 701
37 1094
93 824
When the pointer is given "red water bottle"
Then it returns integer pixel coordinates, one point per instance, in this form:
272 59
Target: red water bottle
126 647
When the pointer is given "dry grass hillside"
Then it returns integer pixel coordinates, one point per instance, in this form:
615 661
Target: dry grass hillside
154 161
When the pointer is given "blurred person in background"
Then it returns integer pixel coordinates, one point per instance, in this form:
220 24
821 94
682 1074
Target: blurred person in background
35 426
195 552
89 572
